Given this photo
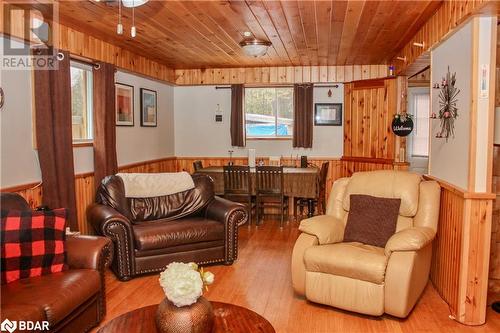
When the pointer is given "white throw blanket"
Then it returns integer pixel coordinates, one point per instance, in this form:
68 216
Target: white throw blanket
147 185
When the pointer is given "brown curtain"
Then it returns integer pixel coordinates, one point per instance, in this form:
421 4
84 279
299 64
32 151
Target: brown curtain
52 89
237 120
104 122
303 116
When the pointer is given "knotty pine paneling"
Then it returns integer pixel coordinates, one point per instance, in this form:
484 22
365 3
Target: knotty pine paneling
87 46
449 16
279 75
445 267
369 107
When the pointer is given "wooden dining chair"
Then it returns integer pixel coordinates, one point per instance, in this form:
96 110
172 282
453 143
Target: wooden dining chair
238 186
197 165
270 190
318 203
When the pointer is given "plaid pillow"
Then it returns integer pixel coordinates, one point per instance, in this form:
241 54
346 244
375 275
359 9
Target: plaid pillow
32 243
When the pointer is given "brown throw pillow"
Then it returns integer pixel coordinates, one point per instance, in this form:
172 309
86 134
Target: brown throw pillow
371 220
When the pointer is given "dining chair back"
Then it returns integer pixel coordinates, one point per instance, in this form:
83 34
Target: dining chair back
197 165
238 186
270 190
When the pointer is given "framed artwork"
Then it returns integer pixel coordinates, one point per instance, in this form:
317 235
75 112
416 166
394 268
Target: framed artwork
124 104
328 114
148 108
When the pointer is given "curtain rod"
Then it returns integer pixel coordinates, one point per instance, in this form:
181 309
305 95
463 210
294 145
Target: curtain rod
85 61
318 85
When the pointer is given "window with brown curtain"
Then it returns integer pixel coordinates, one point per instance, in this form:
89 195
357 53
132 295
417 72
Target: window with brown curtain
52 91
303 115
105 163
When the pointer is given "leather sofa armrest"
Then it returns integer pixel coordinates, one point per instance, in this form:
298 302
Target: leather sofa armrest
91 252
410 239
326 228
225 211
110 223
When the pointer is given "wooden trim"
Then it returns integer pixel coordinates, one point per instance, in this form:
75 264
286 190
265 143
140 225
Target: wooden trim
22 187
84 175
491 115
367 160
369 84
460 191
133 165
83 144
471 184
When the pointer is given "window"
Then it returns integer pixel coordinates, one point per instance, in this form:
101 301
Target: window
420 139
81 101
269 112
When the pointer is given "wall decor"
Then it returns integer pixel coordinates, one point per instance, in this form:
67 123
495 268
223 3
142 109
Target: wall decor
124 104
2 97
328 114
402 124
148 108
448 110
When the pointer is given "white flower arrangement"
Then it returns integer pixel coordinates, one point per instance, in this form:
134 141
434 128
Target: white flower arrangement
183 283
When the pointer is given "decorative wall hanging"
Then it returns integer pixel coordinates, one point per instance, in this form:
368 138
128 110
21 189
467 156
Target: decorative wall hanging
148 108
124 104
402 124
2 98
328 114
448 110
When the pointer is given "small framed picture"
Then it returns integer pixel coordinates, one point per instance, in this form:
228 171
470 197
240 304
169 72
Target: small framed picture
328 114
124 104
148 108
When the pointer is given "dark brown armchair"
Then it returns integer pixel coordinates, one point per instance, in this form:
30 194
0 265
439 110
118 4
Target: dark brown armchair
150 233
72 300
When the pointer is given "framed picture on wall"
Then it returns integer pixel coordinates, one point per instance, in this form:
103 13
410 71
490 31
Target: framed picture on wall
124 104
328 114
148 108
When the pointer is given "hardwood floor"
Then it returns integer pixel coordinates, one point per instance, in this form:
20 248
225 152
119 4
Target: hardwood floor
260 280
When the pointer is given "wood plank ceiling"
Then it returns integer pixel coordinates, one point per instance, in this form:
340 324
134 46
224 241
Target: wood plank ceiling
203 34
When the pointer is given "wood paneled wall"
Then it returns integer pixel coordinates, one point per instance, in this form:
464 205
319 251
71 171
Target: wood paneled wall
87 46
459 268
448 17
369 107
279 75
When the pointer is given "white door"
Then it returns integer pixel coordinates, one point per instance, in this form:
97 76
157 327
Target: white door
418 140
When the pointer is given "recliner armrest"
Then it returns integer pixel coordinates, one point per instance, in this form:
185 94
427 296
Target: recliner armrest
326 228
410 239
90 252
224 211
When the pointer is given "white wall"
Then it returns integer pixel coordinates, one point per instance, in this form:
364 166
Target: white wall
137 144
449 160
197 133
18 160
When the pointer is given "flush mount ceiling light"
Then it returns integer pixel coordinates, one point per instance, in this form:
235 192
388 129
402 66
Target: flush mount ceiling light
254 47
133 3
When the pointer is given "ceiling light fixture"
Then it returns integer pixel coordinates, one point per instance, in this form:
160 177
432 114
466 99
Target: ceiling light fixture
119 27
254 47
133 3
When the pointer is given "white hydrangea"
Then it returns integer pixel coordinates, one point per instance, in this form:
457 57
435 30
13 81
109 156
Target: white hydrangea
181 283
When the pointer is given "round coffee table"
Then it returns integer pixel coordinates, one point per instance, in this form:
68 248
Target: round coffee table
228 318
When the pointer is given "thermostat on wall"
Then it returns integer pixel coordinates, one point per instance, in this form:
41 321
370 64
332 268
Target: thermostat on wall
218 114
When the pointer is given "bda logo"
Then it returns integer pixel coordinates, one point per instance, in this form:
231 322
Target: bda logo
8 325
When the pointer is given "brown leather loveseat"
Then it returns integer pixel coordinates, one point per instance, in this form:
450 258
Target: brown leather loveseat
72 300
149 233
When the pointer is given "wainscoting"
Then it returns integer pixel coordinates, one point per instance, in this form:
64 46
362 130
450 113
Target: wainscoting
85 187
459 269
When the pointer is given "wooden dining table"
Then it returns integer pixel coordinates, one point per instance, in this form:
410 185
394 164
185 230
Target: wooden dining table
298 182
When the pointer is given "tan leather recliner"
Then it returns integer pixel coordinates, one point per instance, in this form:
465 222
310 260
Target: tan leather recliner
364 278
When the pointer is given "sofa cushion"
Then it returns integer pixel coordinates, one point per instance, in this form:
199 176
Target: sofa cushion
371 220
353 260
386 184
163 233
57 295
32 243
